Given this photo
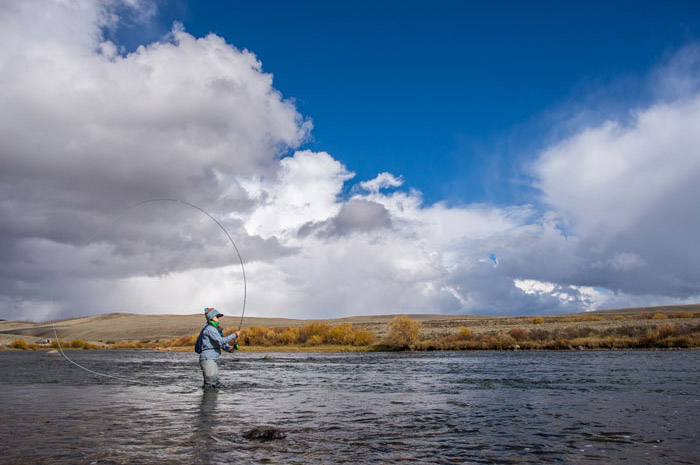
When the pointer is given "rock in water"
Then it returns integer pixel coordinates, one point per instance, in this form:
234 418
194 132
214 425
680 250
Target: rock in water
264 433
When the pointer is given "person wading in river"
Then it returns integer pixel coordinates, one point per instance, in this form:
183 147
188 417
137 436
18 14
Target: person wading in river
209 344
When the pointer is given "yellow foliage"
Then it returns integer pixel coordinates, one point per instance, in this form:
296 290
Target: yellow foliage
257 336
19 344
464 333
315 340
659 316
77 344
288 336
538 320
182 341
404 333
363 337
343 334
315 328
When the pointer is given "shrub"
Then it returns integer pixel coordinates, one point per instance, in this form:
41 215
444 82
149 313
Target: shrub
667 330
256 336
628 331
659 316
682 315
363 337
504 341
288 336
540 334
182 341
19 344
518 334
404 333
558 344
32 346
651 336
344 334
538 320
315 340
315 328
464 333
77 344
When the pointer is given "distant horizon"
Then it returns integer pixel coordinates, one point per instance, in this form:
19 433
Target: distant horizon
378 315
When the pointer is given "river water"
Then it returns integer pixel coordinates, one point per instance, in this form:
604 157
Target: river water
637 407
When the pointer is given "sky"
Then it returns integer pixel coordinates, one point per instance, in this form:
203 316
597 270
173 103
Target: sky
366 157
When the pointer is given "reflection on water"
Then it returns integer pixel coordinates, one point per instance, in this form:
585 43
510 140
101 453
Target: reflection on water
547 407
203 432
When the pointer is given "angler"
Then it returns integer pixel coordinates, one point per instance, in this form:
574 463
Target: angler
209 344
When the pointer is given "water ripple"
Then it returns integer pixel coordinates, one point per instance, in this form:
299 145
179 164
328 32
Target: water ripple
558 407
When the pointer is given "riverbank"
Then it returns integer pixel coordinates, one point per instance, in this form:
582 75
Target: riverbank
643 328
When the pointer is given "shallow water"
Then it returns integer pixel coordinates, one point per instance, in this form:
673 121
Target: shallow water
639 407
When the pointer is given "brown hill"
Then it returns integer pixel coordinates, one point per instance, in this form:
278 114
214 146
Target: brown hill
126 326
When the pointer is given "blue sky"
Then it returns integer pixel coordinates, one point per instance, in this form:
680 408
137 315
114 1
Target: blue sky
454 96
508 158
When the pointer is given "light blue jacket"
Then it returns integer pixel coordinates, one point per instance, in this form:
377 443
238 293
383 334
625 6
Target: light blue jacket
213 342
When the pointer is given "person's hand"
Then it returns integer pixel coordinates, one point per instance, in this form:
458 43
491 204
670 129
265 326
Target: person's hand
237 333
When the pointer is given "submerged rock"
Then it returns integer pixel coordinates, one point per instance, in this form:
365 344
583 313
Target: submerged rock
264 433
52 352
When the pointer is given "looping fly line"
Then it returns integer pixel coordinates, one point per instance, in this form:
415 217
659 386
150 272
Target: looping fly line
101 230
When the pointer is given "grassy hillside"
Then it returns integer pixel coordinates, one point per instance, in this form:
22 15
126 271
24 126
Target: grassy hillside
124 326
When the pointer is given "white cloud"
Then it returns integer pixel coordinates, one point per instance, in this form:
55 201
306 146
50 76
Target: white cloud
86 131
382 181
609 177
306 189
631 192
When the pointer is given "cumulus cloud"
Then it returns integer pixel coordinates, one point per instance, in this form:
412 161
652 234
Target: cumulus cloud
305 189
87 130
630 191
354 216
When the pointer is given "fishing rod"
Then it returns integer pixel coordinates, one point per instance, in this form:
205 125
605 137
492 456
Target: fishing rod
112 223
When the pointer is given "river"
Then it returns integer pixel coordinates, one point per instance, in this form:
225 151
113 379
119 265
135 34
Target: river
637 407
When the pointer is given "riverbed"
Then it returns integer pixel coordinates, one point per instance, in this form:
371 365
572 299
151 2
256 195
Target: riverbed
637 407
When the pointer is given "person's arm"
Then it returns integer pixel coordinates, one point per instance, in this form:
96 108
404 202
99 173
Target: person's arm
231 337
217 340
227 339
